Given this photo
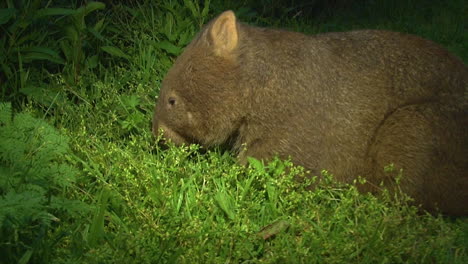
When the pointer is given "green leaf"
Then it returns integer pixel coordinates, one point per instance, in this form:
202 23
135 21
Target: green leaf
92 6
96 231
92 62
226 203
96 34
114 51
6 14
41 53
256 164
43 95
206 8
66 49
26 256
185 37
194 9
277 167
5 113
247 187
169 26
7 70
71 34
169 47
99 25
54 12
130 101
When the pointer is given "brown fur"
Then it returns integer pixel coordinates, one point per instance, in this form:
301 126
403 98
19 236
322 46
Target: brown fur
350 103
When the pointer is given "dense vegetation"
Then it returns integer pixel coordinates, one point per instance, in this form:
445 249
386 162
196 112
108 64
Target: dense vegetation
82 180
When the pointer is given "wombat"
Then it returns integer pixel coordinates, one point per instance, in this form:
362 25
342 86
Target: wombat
351 103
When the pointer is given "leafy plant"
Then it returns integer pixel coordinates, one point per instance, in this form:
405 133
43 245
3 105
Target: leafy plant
132 117
78 41
26 29
35 178
62 37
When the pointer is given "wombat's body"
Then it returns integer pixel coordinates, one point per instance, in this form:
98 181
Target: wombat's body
350 103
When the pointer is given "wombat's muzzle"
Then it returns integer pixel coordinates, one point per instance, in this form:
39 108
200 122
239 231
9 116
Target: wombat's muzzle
158 134
164 134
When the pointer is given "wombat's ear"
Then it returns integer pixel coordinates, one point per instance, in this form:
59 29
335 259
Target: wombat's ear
223 33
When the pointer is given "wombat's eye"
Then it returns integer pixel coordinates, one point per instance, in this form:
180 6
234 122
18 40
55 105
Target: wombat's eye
171 101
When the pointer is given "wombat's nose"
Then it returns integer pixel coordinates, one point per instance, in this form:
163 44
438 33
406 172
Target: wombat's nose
155 129
162 143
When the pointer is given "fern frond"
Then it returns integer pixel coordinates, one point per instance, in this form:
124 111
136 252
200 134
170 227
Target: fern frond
5 114
35 175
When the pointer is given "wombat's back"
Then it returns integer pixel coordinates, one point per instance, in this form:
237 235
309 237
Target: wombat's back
390 67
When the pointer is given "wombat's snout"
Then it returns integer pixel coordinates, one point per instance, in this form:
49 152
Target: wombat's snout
164 134
158 134
157 130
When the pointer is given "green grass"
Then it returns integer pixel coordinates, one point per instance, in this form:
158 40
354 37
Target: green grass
122 199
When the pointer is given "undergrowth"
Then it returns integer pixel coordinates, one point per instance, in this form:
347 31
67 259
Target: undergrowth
36 179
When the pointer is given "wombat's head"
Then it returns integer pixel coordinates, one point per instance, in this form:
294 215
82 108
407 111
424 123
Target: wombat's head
201 98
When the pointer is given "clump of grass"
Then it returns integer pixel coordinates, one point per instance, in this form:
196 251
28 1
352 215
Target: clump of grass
179 206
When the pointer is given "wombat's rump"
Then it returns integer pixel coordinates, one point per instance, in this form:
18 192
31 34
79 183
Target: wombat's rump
349 102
